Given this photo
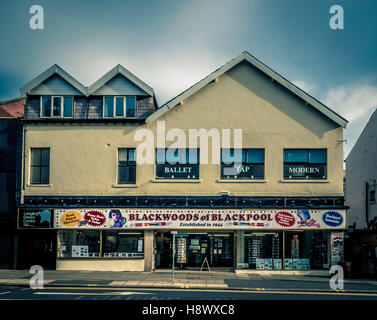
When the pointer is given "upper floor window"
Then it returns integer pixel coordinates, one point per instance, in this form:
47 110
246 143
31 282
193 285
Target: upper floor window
119 106
126 166
305 164
177 164
242 164
56 106
39 166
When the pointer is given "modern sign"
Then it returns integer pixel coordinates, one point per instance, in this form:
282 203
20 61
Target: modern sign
175 219
300 171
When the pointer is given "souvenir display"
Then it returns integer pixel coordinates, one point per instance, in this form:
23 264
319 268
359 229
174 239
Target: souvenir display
181 250
295 247
288 264
277 264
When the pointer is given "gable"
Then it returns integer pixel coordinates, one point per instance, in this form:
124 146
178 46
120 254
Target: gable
55 85
244 97
269 73
120 85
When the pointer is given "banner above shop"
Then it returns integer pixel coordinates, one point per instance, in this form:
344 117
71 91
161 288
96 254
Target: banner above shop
200 218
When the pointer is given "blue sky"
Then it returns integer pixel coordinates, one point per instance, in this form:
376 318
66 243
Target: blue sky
171 44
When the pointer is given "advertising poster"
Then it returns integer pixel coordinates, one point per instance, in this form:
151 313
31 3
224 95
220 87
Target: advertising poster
35 218
337 247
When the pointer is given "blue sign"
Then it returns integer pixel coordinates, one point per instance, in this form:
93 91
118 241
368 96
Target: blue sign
332 218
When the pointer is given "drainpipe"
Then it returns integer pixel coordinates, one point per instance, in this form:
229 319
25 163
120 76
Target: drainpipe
367 204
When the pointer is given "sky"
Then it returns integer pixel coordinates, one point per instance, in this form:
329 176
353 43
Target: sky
172 44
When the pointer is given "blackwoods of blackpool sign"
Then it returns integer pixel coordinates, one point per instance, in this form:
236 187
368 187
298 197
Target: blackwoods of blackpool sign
199 218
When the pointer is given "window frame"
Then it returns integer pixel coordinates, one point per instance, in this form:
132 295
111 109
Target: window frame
246 162
118 182
62 98
306 163
40 166
124 116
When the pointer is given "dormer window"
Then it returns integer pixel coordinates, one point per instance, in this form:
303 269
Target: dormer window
119 106
56 106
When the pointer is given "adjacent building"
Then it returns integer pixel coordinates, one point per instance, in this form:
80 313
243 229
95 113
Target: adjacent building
109 180
10 158
360 195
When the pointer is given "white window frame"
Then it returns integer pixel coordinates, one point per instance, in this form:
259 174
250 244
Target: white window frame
114 107
61 107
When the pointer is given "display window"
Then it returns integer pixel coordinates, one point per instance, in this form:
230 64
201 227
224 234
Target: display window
98 244
78 243
263 251
287 250
123 244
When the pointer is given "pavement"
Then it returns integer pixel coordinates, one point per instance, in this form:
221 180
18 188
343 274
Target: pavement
215 280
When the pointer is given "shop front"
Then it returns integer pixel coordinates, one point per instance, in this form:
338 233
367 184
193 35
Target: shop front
141 239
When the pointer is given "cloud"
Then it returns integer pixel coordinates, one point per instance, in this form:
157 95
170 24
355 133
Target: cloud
356 102
304 85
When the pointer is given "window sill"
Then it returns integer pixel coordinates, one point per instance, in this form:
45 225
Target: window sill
304 181
125 186
242 181
40 185
176 181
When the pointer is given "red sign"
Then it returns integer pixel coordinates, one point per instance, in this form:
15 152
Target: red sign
285 219
94 218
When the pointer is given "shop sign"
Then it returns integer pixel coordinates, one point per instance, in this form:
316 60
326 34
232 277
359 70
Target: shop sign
71 218
94 218
177 171
175 219
332 218
35 218
244 171
299 171
285 219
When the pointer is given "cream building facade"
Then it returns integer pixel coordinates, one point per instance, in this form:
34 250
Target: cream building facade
106 211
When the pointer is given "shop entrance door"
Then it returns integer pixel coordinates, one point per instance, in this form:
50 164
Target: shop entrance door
163 247
37 248
221 254
216 247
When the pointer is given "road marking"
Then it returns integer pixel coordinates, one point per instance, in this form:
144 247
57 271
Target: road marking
93 294
229 291
5 292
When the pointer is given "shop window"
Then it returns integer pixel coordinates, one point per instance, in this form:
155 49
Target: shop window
177 164
126 166
306 250
40 165
123 244
78 243
242 164
264 251
305 164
